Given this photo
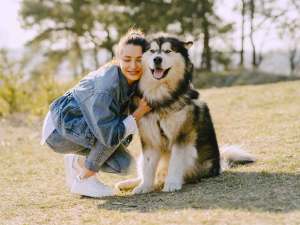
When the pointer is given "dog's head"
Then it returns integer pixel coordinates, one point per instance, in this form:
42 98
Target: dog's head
166 58
167 69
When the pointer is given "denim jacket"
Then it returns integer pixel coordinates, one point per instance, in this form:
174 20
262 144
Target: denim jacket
94 109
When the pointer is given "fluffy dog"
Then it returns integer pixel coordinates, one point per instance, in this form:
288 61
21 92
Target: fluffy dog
178 139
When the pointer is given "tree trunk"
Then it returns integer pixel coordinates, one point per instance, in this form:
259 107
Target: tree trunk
206 54
109 43
243 34
252 10
95 55
292 57
80 56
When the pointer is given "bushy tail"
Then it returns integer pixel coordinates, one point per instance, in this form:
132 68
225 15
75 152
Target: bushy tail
130 184
127 185
234 154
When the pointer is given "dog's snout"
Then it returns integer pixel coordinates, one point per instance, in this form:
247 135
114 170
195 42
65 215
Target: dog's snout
157 60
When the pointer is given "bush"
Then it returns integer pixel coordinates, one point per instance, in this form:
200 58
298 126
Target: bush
4 107
32 96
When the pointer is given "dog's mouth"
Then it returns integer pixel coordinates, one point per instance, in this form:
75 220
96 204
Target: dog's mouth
159 73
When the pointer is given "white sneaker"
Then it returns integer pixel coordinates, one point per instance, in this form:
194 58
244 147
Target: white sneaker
71 168
90 187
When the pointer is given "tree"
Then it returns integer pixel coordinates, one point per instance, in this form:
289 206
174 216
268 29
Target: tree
289 29
67 29
243 14
199 19
257 19
71 30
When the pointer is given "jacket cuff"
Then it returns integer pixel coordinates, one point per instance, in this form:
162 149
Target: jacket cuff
130 125
97 156
90 165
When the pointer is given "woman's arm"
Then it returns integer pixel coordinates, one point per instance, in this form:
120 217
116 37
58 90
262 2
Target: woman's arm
142 109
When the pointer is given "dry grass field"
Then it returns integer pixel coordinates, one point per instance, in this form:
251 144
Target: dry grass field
264 119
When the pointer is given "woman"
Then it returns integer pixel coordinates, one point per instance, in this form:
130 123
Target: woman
91 119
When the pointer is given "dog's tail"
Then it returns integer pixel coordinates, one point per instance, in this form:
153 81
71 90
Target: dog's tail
232 155
128 185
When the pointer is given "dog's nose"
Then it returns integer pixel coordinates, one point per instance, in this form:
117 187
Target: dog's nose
157 60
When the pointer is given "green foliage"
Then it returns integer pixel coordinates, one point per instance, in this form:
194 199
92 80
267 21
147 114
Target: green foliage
9 93
4 107
29 95
32 96
89 26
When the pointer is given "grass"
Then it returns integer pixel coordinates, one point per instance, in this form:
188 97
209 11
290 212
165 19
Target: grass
264 119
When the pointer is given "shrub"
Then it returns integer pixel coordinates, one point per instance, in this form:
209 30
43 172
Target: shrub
32 96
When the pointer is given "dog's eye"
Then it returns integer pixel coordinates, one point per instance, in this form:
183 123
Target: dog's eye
167 51
152 51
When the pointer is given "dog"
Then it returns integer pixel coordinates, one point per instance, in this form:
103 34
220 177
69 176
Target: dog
179 143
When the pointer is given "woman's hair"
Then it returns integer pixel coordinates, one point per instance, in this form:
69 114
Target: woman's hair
134 37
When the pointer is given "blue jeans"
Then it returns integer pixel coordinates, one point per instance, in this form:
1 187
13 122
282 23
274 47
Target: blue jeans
118 162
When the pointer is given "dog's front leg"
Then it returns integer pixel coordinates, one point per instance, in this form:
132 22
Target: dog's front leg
148 168
182 159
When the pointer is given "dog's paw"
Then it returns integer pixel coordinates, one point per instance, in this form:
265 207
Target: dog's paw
142 189
171 187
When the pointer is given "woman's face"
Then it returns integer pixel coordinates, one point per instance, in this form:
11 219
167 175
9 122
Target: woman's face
130 61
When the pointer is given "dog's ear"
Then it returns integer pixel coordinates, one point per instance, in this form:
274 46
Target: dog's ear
188 44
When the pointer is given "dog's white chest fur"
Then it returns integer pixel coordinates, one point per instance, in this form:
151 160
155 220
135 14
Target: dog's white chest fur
149 129
157 128
172 124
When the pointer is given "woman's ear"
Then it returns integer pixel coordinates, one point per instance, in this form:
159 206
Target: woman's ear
188 44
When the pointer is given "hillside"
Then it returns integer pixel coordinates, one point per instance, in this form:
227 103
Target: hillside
264 119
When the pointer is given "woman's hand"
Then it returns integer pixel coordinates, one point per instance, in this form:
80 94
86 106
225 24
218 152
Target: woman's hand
142 109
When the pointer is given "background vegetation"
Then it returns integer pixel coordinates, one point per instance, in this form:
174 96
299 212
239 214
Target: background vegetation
76 36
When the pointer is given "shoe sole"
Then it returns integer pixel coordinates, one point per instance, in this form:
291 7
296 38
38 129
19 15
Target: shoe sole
91 195
103 194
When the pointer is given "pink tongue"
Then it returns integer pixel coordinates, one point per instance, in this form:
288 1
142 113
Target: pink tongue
158 73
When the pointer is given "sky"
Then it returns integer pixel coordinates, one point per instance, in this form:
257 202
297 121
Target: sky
13 36
11 33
